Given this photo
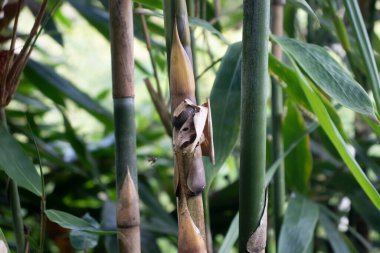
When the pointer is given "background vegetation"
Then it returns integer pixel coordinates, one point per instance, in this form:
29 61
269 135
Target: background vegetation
61 116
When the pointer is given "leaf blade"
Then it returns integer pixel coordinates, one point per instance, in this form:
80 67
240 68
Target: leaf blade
17 165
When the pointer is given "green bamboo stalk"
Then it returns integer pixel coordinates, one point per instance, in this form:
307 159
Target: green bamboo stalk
277 116
14 199
252 198
128 216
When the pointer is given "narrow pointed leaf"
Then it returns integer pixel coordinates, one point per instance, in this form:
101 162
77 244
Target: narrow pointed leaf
56 87
337 139
298 227
299 162
231 236
82 240
72 222
225 104
364 45
333 235
328 74
304 6
17 165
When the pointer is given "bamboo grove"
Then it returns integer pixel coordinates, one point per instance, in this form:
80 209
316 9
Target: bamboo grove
217 126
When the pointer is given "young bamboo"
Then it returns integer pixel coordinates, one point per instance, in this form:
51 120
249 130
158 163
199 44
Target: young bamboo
189 123
277 115
127 216
252 199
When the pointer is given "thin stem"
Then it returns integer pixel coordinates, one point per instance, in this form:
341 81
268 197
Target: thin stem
149 48
277 115
43 197
252 198
15 203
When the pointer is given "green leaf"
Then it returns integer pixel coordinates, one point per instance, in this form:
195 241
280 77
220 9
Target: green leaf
97 17
299 162
72 222
151 3
328 74
225 108
298 227
3 243
56 87
364 46
304 6
333 235
82 240
337 140
231 236
16 163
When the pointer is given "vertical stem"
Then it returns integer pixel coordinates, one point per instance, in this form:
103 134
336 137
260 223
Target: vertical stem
127 216
189 171
277 115
15 203
253 119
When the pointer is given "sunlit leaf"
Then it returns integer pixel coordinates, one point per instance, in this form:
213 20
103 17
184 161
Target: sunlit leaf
328 74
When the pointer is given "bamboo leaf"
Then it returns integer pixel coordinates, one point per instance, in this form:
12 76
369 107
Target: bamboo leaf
304 6
72 222
364 46
16 163
333 235
55 87
337 140
297 233
231 236
225 104
82 240
328 74
299 162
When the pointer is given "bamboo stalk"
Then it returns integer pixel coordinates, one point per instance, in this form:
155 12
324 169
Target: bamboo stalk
14 200
127 216
277 115
252 199
189 171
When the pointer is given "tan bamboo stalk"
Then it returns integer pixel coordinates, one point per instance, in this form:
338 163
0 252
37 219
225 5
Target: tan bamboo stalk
190 138
127 216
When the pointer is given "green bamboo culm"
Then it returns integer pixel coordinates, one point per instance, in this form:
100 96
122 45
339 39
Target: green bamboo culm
252 199
127 216
277 116
14 200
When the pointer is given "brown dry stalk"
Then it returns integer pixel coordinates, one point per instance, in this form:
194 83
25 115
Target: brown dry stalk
191 129
12 65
